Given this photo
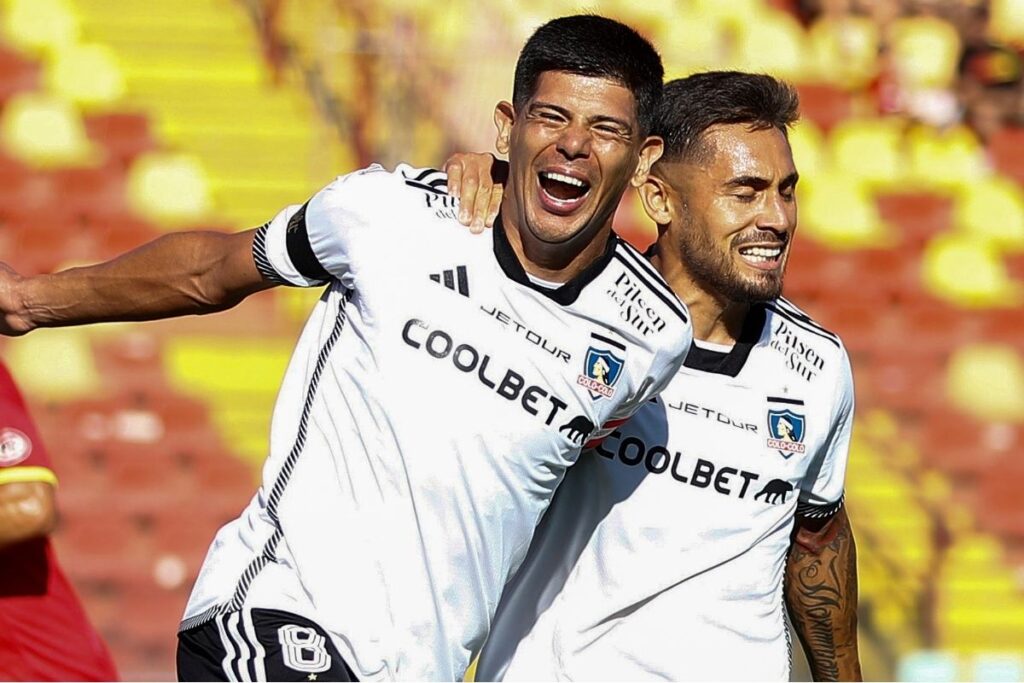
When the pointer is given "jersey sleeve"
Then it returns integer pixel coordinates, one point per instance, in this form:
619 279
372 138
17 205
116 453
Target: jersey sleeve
665 365
22 456
311 244
821 494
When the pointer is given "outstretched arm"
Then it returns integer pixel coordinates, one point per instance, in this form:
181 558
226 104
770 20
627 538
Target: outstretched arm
821 595
174 275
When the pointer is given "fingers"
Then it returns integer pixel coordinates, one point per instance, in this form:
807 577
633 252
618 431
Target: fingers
472 194
482 207
454 170
497 192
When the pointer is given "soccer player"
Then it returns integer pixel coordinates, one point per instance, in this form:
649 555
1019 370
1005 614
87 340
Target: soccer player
44 632
671 548
441 386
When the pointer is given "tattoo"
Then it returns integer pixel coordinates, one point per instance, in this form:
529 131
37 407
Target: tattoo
821 593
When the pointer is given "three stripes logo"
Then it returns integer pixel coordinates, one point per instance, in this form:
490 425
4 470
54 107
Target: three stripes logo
455 280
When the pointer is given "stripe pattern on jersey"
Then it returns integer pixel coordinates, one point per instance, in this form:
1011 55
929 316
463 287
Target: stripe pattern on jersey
429 179
820 511
244 655
268 553
791 313
646 273
259 256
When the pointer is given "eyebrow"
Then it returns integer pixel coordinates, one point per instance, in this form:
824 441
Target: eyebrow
600 118
759 183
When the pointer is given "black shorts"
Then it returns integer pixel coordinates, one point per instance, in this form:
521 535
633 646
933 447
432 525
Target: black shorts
259 645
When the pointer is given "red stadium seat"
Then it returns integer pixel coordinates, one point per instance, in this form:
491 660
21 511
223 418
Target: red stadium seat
1005 326
1000 504
94 192
16 74
964 446
919 216
909 385
125 135
1004 150
937 327
824 104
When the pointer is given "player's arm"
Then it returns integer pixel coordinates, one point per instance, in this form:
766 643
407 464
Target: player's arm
178 274
27 511
478 182
821 595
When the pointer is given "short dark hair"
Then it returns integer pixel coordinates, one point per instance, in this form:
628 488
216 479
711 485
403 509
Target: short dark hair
691 105
590 45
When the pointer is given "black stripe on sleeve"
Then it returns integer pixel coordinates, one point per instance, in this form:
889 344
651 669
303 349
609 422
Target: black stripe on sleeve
300 250
820 511
463 280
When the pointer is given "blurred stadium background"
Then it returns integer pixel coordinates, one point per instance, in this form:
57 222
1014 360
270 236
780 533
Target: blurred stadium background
122 119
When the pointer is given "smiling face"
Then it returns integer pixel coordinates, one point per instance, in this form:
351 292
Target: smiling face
573 147
733 211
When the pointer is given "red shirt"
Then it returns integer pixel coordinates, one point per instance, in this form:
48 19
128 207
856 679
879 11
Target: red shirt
44 633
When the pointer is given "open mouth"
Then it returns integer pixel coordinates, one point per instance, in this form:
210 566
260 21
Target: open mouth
762 257
562 193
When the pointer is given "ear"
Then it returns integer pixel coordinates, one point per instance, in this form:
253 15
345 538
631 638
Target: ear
654 195
504 118
650 151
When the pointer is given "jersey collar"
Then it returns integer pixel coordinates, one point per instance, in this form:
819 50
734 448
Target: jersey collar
732 362
568 292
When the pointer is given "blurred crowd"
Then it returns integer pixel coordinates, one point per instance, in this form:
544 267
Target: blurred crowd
935 61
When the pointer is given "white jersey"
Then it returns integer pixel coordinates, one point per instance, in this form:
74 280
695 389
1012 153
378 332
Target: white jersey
433 402
663 554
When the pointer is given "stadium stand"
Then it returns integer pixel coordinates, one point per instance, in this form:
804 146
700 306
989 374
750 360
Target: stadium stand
911 249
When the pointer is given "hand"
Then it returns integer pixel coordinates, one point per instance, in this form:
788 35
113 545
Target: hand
477 181
12 321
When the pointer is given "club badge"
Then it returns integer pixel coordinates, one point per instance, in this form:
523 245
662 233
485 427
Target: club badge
600 373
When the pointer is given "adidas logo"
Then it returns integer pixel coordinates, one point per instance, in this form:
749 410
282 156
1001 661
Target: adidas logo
455 280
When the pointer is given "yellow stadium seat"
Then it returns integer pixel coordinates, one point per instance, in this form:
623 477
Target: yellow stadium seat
169 189
1006 20
945 159
88 75
840 212
926 50
41 26
987 381
702 49
55 364
845 50
772 42
239 379
45 131
968 272
992 209
869 149
807 142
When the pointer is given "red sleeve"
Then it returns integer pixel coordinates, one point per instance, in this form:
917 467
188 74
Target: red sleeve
22 455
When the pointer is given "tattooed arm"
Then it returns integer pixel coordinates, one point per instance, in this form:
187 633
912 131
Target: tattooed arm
821 595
